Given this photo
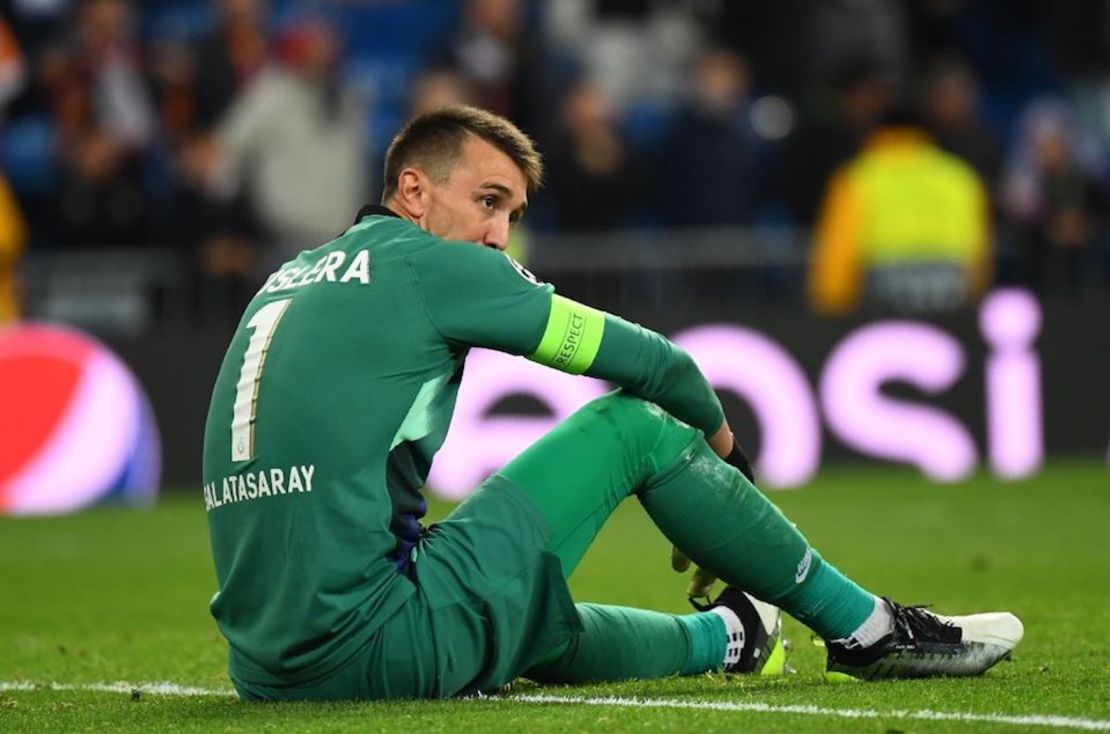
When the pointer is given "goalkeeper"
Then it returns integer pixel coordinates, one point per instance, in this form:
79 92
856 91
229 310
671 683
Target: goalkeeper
335 394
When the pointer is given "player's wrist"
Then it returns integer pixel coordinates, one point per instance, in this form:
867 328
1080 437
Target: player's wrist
722 441
739 459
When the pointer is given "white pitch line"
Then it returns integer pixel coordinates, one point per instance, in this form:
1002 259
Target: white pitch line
165 688
1048 720
159 688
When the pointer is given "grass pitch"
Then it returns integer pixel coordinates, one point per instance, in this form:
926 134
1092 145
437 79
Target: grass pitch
120 595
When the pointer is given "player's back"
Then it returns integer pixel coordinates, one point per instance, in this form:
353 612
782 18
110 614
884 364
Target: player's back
332 398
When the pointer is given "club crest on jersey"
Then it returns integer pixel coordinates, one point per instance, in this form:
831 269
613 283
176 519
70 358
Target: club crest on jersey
523 271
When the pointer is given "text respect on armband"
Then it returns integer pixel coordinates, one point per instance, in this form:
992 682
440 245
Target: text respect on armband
253 485
333 267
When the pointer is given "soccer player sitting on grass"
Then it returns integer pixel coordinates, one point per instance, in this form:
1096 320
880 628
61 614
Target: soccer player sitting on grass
335 395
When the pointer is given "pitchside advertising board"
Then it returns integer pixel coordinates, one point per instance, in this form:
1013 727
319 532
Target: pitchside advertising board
1001 388
996 388
75 426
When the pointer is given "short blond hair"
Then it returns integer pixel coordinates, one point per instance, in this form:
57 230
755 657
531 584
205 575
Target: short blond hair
434 141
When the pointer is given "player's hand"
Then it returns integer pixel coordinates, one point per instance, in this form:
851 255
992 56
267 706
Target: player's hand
701 583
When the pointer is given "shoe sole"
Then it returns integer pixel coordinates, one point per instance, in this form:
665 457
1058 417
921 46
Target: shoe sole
987 640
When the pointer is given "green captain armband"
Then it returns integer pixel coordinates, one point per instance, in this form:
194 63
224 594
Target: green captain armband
572 337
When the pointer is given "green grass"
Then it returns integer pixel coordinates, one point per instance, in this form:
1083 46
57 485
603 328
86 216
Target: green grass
118 594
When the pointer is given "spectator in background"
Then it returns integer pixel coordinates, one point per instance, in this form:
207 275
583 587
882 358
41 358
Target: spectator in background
830 134
12 71
593 182
904 226
633 50
1054 207
13 235
951 101
13 230
230 59
709 144
296 142
105 124
490 52
1079 35
37 23
219 231
437 88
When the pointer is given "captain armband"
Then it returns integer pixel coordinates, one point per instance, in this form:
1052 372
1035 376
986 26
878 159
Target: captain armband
572 338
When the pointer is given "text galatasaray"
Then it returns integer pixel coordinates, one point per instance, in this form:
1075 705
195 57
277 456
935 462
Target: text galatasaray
255 484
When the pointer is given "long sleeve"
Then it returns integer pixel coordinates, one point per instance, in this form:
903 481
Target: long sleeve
478 297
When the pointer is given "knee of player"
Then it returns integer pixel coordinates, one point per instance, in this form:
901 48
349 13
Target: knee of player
625 409
643 426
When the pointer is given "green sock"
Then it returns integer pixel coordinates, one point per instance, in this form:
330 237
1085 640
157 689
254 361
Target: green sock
620 643
724 524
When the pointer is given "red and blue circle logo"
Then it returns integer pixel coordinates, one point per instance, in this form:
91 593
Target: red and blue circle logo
76 427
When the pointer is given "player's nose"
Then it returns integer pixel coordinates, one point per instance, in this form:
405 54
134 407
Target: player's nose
497 236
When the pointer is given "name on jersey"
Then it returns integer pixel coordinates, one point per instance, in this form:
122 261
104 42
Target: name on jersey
331 268
253 485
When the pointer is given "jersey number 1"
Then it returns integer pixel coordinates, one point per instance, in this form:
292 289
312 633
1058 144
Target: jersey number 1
264 323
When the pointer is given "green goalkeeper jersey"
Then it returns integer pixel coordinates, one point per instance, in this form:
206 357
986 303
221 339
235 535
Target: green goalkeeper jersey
335 394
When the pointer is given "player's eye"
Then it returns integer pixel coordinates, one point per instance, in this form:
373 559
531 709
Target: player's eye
489 202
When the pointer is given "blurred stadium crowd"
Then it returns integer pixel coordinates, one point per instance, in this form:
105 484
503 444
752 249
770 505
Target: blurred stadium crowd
965 137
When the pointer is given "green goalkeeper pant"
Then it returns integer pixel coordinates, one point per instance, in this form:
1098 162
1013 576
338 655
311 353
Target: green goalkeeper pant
620 445
490 597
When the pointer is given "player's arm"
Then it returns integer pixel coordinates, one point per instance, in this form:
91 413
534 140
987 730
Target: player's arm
582 340
479 297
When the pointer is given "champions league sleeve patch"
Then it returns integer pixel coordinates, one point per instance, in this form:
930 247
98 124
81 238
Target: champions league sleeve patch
523 271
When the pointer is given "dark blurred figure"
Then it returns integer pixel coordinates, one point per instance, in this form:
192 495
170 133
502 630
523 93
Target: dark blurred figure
1079 33
1053 205
490 51
707 166
231 59
635 51
593 182
12 66
904 227
13 230
218 230
830 134
437 88
770 37
295 142
951 103
105 125
13 237
38 24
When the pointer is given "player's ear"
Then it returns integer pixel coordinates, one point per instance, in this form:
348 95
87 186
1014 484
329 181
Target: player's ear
411 188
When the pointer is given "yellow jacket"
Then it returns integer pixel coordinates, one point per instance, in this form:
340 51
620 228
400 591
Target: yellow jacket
901 200
13 235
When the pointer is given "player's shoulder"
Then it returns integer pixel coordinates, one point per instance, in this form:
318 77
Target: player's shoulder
460 260
957 168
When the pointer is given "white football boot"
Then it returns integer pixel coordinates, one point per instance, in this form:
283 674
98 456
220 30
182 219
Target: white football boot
923 645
